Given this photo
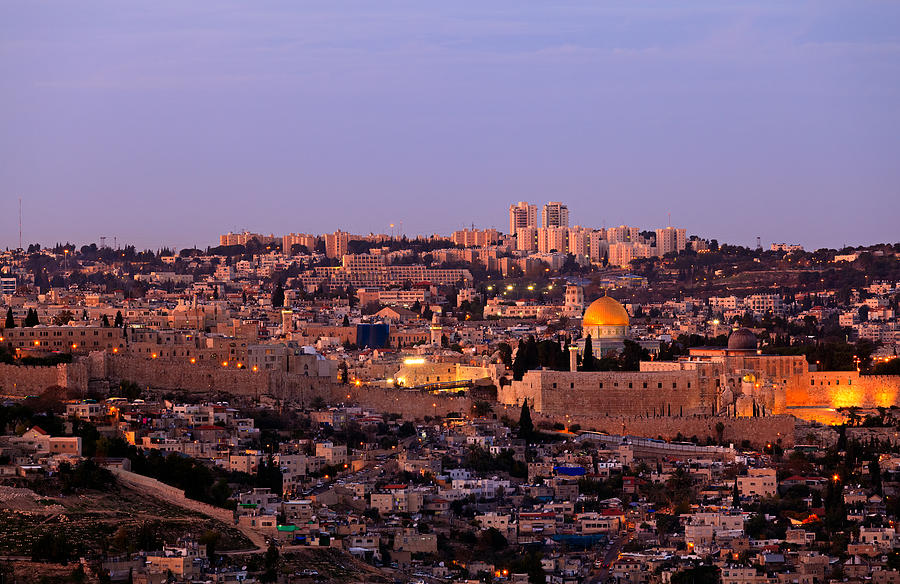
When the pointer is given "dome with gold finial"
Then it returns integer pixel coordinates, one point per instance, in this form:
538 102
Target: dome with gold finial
605 311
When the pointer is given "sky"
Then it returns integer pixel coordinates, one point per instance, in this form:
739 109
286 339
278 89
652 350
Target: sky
167 123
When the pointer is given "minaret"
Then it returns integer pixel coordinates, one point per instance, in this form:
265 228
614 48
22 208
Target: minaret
437 330
287 321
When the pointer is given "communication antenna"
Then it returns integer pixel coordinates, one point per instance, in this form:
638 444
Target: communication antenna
758 243
670 220
20 223
102 241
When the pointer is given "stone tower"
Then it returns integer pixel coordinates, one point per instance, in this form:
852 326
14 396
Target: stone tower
437 330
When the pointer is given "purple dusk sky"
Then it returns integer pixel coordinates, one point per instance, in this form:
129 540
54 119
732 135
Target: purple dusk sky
167 123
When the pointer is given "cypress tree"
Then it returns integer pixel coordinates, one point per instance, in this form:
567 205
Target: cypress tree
587 360
532 359
519 366
278 297
118 321
31 318
105 320
526 426
10 322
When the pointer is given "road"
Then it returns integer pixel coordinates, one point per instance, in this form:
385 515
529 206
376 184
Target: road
599 575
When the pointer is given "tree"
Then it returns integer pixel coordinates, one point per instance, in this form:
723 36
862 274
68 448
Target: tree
271 562
118 321
268 474
632 355
211 539
526 426
10 322
505 354
278 296
104 321
491 539
31 318
63 318
519 366
875 474
587 360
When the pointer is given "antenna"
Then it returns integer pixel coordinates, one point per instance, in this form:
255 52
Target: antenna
20 222
102 241
758 243
670 220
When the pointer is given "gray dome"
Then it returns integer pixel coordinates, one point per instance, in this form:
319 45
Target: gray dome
742 340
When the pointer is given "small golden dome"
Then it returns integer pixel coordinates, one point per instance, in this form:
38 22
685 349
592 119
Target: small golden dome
605 311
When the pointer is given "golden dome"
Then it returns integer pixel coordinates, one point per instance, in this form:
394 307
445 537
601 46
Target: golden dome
605 311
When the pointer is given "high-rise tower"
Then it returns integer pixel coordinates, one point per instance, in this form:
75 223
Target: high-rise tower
522 214
555 215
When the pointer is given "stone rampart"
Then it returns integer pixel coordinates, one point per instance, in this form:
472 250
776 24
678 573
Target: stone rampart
759 431
178 375
632 393
411 404
170 494
173 374
837 389
19 381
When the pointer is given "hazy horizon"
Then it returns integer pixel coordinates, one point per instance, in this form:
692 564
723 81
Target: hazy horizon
167 124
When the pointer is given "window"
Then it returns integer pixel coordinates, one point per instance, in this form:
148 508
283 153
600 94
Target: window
601 385
659 385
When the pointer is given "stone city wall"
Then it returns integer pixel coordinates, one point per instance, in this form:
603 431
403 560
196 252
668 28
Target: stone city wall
173 374
759 431
611 393
176 375
410 404
170 494
19 381
840 389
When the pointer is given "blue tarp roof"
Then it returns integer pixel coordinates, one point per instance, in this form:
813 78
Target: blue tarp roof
569 471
